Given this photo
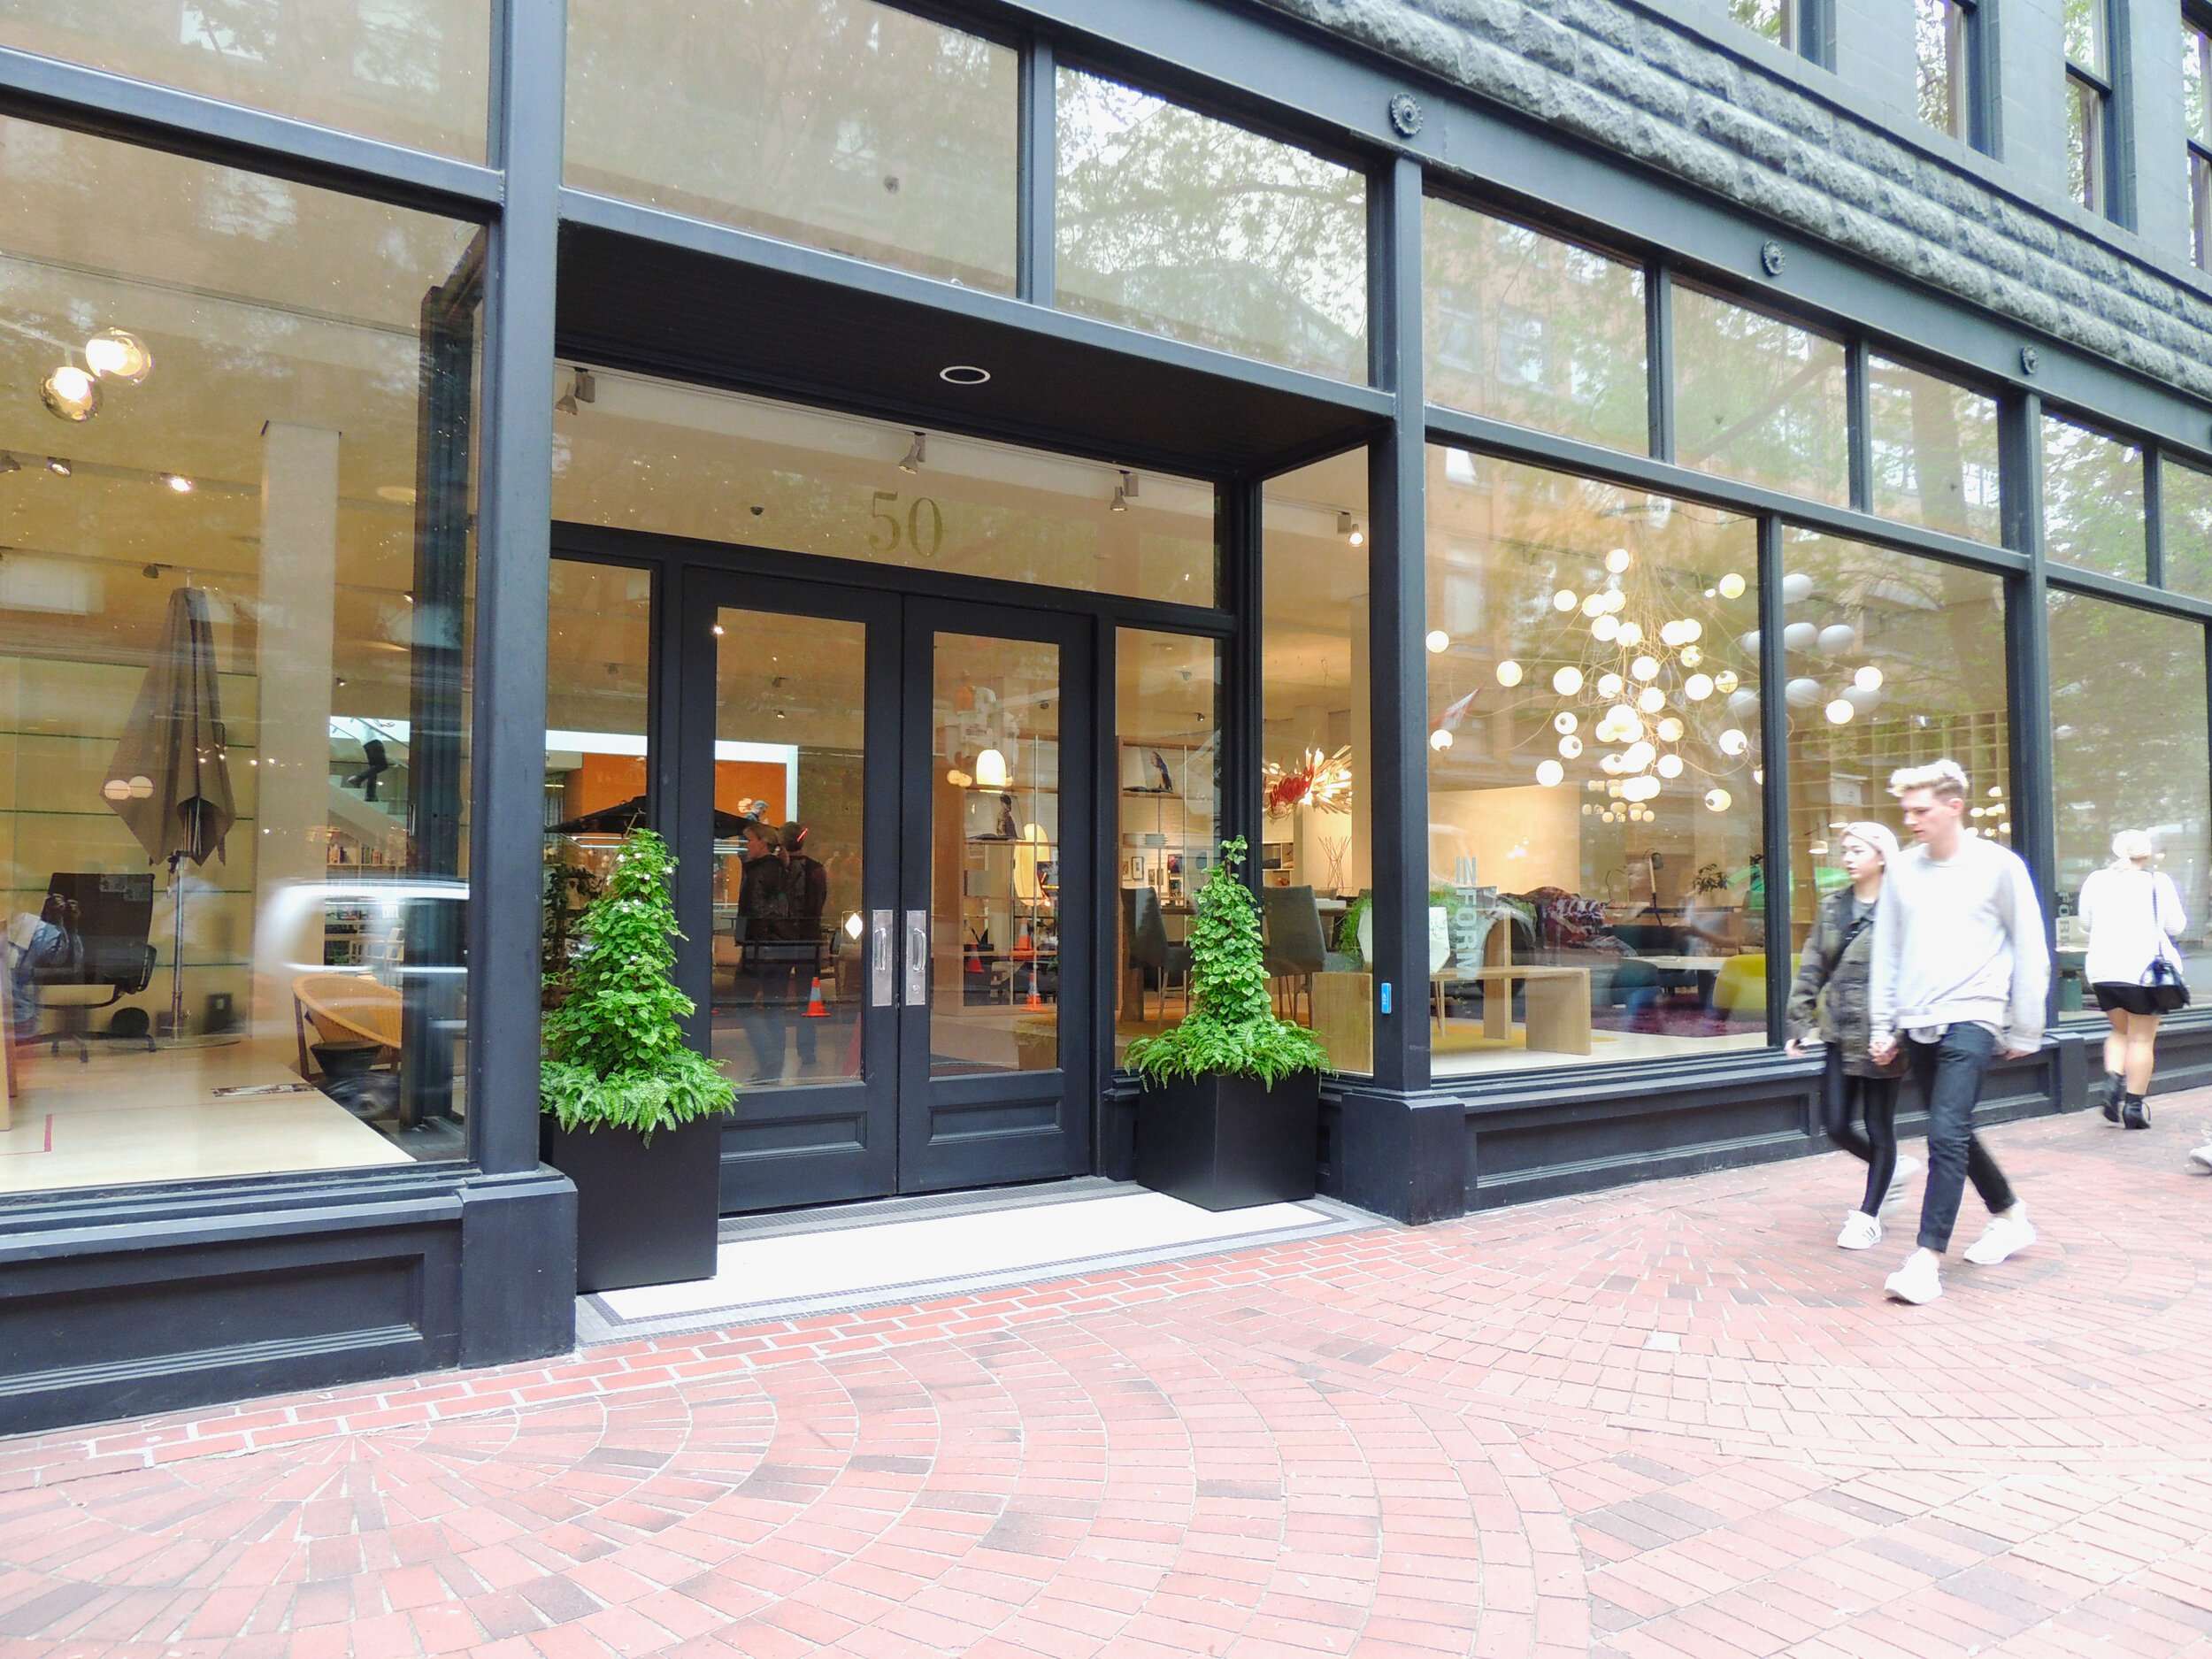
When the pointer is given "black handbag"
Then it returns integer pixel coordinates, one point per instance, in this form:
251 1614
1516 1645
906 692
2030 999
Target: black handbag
2169 990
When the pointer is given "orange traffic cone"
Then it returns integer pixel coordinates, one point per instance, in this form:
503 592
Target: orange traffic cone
814 1008
1034 1000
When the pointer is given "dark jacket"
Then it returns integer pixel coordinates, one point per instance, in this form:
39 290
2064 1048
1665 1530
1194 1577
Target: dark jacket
1832 984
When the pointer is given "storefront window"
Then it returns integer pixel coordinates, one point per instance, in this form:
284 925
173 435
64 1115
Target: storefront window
1935 451
2128 751
234 617
1316 846
1895 661
1595 837
1532 329
1167 711
840 123
639 454
1181 225
1759 399
413 74
2185 505
2092 500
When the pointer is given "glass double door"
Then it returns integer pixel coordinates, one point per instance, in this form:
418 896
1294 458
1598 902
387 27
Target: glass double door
883 829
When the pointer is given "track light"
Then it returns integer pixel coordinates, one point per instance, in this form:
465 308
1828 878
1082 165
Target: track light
583 387
116 356
917 453
70 394
1123 491
1348 528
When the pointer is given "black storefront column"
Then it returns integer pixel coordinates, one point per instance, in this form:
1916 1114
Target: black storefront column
519 1239
1395 1150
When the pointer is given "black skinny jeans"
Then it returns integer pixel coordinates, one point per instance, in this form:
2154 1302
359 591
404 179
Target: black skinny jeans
1949 1074
1874 1099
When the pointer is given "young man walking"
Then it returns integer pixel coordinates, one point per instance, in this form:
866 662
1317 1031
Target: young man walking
1959 971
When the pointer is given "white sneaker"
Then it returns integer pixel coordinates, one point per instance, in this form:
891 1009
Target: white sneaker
1899 1183
2202 1155
2000 1238
1861 1232
1919 1281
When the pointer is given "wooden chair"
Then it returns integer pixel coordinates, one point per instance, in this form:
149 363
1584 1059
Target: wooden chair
345 1007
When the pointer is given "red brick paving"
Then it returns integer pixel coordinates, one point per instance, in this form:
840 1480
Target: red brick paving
1668 1421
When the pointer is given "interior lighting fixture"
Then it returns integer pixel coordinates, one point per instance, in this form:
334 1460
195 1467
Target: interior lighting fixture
958 779
1839 711
1671 731
61 466
1631 634
1120 503
116 356
1549 772
852 925
718 630
1996 792
1669 766
1616 561
1605 629
1731 586
70 394
1440 739
1718 799
1564 723
1611 685
917 452
1438 641
964 374
1570 748
1567 682
1651 700
1733 743
990 769
583 387
1868 678
1645 668
1565 600
1639 754
1725 681
1348 528
1797 586
1594 606
1690 657
178 483
1508 674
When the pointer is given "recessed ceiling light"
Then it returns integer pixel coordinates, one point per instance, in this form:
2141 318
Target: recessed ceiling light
178 483
963 374
59 466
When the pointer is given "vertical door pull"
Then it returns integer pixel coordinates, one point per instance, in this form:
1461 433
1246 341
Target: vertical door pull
916 958
882 960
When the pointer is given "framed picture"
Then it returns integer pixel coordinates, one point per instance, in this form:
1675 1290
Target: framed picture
1136 868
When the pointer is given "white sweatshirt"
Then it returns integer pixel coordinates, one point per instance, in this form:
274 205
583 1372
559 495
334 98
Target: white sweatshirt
2130 914
1960 941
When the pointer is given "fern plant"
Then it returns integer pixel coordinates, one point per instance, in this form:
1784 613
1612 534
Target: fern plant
1231 1030
615 1055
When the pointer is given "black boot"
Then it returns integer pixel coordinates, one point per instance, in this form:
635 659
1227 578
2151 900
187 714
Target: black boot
2114 1088
2133 1113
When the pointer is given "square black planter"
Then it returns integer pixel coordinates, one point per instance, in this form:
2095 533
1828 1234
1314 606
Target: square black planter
1231 1142
645 1214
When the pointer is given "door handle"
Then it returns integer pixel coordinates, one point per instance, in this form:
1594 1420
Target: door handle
882 965
916 958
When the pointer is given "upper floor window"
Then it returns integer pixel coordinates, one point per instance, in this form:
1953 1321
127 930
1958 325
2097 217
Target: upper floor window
1943 38
2089 123
1797 26
2196 72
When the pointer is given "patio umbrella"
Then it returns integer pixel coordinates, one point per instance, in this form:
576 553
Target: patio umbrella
169 780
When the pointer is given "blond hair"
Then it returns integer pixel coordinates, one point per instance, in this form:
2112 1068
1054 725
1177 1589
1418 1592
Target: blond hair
2131 848
1946 779
1878 839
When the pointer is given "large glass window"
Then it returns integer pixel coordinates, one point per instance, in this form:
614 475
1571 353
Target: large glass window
2092 500
1940 37
234 498
1895 661
1759 399
1595 847
1316 846
1935 451
841 124
2185 510
1777 19
1181 225
2088 103
413 73
2128 751
1530 328
643 454
2196 109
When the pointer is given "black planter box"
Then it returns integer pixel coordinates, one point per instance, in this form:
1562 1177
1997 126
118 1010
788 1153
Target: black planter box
1231 1142
645 1214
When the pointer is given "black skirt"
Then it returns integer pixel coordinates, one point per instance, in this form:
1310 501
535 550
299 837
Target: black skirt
2129 999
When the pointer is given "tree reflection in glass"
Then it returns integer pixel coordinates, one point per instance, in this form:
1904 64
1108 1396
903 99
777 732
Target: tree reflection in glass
1758 398
2092 500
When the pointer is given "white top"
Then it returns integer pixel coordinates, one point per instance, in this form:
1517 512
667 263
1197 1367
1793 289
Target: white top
2132 917
1959 943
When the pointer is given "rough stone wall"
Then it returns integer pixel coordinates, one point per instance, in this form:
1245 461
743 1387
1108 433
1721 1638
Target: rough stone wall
1641 86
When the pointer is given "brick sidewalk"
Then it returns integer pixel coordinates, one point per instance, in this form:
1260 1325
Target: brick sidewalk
1672 1420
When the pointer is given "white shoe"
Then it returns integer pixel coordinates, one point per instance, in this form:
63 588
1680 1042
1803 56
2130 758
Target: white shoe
1919 1281
1861 1232
2202 1155
2000 1238
1899 1183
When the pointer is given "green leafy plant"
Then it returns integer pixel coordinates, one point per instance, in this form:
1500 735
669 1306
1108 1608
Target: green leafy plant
1231 1030
615 1057
568 888
1347 928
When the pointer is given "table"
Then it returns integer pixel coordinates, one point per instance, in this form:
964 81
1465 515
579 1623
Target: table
1558 1004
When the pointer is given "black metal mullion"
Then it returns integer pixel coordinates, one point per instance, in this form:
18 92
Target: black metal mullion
1859 425
1034 278
2154 514
1774 784
506 879
1243 690
1659 355
2027 638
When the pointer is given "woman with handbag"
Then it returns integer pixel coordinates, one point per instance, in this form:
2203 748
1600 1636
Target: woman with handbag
2132 915
1830 990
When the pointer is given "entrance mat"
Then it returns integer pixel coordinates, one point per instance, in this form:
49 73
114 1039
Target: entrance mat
899 1250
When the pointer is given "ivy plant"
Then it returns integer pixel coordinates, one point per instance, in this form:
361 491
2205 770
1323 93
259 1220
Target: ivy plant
1231 1030
615 1055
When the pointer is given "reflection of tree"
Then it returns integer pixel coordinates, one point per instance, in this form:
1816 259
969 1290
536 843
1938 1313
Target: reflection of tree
1935 452
1532 329
2129 739
839 123
1183 225
2185 499
2093 501
1759 398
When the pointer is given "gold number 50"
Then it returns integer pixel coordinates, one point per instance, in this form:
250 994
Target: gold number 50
925 531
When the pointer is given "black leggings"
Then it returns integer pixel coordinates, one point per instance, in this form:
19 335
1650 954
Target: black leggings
1875 1099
